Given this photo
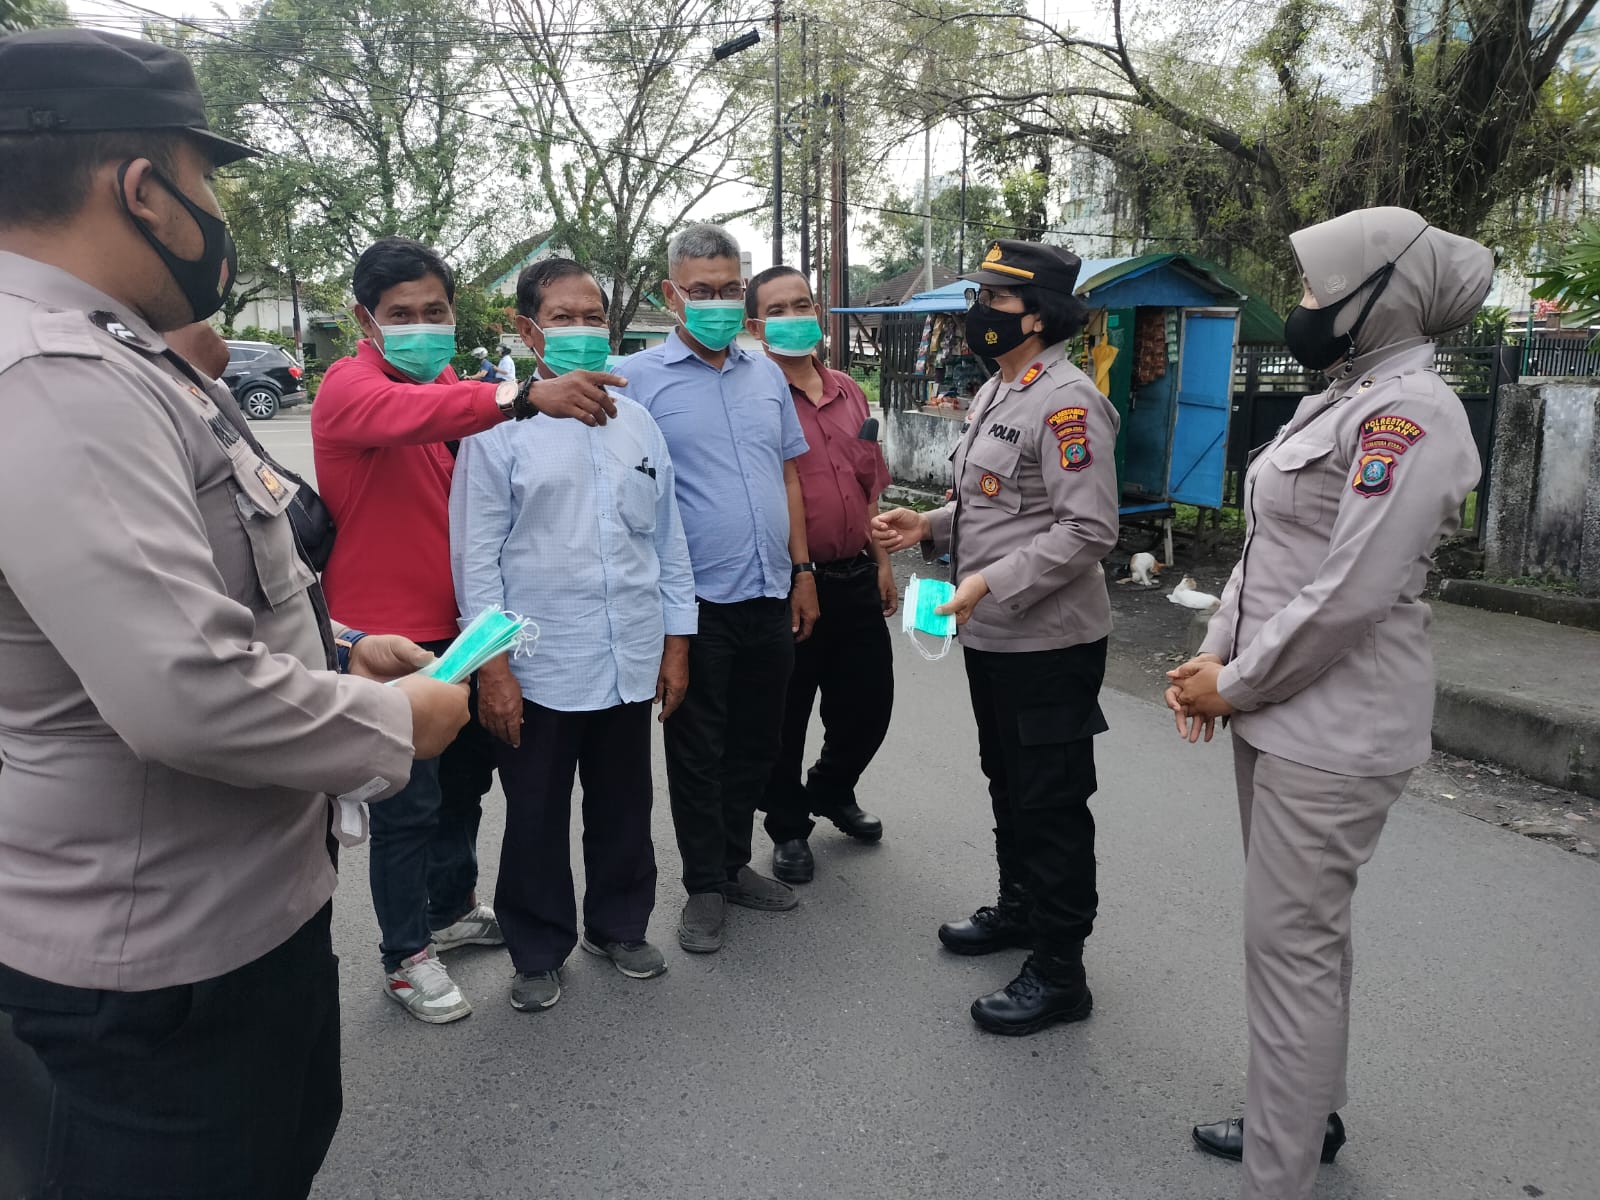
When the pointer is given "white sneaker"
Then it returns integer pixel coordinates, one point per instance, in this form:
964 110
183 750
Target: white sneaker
424 989
478 928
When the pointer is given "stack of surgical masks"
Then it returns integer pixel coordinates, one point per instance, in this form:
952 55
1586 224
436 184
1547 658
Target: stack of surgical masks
488 635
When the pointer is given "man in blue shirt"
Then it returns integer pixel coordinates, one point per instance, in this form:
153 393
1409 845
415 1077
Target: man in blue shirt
734 436
577 528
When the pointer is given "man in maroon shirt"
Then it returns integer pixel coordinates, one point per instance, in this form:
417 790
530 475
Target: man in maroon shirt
384 428
848 656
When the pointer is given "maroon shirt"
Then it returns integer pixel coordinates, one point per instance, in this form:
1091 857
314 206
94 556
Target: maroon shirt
841 474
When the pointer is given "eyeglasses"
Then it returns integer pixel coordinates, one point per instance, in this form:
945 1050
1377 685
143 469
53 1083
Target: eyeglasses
987 296
733 291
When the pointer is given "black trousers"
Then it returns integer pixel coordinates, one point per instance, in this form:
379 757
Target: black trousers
227 1089
721 742
609 749
1037 714
849 660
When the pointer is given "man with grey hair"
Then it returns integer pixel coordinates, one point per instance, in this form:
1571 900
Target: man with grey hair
733 435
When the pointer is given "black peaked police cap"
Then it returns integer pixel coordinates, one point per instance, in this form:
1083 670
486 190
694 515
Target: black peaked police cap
1016 264
85 81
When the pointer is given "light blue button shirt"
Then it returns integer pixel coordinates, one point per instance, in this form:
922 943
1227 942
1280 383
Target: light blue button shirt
730 432
564 524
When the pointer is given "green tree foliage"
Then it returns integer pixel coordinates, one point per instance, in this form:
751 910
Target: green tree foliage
628 124
1454 108
1573 279
16 15
373 116
894 240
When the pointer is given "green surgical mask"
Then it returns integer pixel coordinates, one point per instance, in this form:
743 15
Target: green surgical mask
713 323
792 337
917 615
575 348
420 351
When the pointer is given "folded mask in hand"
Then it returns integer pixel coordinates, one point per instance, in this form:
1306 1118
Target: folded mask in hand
917 614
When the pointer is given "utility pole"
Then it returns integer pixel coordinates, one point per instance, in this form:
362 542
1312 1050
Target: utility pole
838 286
806 110
927 206
961 239
294 293
777 132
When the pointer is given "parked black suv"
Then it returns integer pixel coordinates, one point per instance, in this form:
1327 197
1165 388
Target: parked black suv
264 379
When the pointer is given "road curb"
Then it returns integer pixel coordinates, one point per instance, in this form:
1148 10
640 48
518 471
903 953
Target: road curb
1557 747
1580 612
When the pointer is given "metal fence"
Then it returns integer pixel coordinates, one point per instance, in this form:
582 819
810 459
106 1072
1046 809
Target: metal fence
1555 356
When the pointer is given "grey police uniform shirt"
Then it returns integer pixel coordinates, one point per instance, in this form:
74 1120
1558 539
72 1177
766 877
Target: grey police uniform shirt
1322 626
1035 509
168 726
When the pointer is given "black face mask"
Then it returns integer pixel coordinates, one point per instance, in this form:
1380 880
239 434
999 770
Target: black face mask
991 333
1308 332
206 281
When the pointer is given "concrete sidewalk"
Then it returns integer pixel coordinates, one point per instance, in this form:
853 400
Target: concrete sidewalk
1519 692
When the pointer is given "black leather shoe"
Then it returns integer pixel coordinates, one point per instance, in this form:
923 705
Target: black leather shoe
792 861
862 826
1225 1139
991 928
1033 1000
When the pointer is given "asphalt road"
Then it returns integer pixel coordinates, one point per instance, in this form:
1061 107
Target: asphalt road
828 1052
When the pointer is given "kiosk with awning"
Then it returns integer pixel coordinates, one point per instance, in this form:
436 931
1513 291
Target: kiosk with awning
1160 344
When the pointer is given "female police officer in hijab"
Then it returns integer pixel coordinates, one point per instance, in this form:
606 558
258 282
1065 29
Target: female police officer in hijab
1320 652
1033 513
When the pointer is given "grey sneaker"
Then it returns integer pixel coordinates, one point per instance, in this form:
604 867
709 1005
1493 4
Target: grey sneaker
636 960
750 890
700 926
534 991
424 989
479 927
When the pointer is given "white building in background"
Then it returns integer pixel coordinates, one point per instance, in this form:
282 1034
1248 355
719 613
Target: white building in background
1094 215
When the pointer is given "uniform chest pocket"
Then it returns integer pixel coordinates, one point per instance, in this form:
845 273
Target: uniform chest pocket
1298 481
636 501
261 500
992 476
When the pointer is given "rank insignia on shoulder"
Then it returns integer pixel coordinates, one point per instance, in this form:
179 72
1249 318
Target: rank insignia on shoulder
989 485
1374 475
112 325
1030 376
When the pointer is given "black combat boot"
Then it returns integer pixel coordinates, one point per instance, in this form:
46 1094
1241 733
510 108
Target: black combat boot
992 927
1051 987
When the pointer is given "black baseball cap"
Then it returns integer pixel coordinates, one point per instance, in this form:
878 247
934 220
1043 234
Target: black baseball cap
1016 264
85 81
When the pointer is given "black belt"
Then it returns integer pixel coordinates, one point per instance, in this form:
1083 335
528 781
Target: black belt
847 568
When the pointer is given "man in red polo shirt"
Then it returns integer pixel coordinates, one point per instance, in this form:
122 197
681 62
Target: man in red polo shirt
384 428
848 657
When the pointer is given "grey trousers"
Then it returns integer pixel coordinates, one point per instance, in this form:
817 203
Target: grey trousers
1306 834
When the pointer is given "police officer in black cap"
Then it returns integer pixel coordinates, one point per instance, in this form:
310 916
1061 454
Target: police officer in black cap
1033 513
170 721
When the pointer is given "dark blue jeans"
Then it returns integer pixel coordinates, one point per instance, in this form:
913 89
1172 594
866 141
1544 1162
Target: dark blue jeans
423 863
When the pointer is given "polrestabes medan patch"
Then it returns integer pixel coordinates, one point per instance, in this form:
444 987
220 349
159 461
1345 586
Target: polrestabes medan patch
1390 434
1374 475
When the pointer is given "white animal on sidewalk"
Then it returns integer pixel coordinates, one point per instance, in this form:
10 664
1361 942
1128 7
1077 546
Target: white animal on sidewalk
1142 569
1189 595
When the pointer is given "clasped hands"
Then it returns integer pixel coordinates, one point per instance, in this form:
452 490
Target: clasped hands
1193 697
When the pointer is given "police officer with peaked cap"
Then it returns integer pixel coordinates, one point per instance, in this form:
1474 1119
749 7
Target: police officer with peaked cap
1319 652
1034 511
170 726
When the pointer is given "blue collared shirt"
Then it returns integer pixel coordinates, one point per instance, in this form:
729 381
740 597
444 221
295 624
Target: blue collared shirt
568 526
730 432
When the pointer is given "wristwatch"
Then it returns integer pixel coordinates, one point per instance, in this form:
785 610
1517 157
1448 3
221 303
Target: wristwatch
343 643
513 401
805 568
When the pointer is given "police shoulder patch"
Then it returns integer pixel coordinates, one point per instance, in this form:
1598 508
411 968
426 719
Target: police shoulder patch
1374 474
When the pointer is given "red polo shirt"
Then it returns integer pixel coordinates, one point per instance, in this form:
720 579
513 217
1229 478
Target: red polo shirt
384 471
841 474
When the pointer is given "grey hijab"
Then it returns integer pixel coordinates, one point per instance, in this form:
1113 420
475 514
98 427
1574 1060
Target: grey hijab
1439 279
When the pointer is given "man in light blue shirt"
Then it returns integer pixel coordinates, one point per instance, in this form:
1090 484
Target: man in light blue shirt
577 528
731 426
